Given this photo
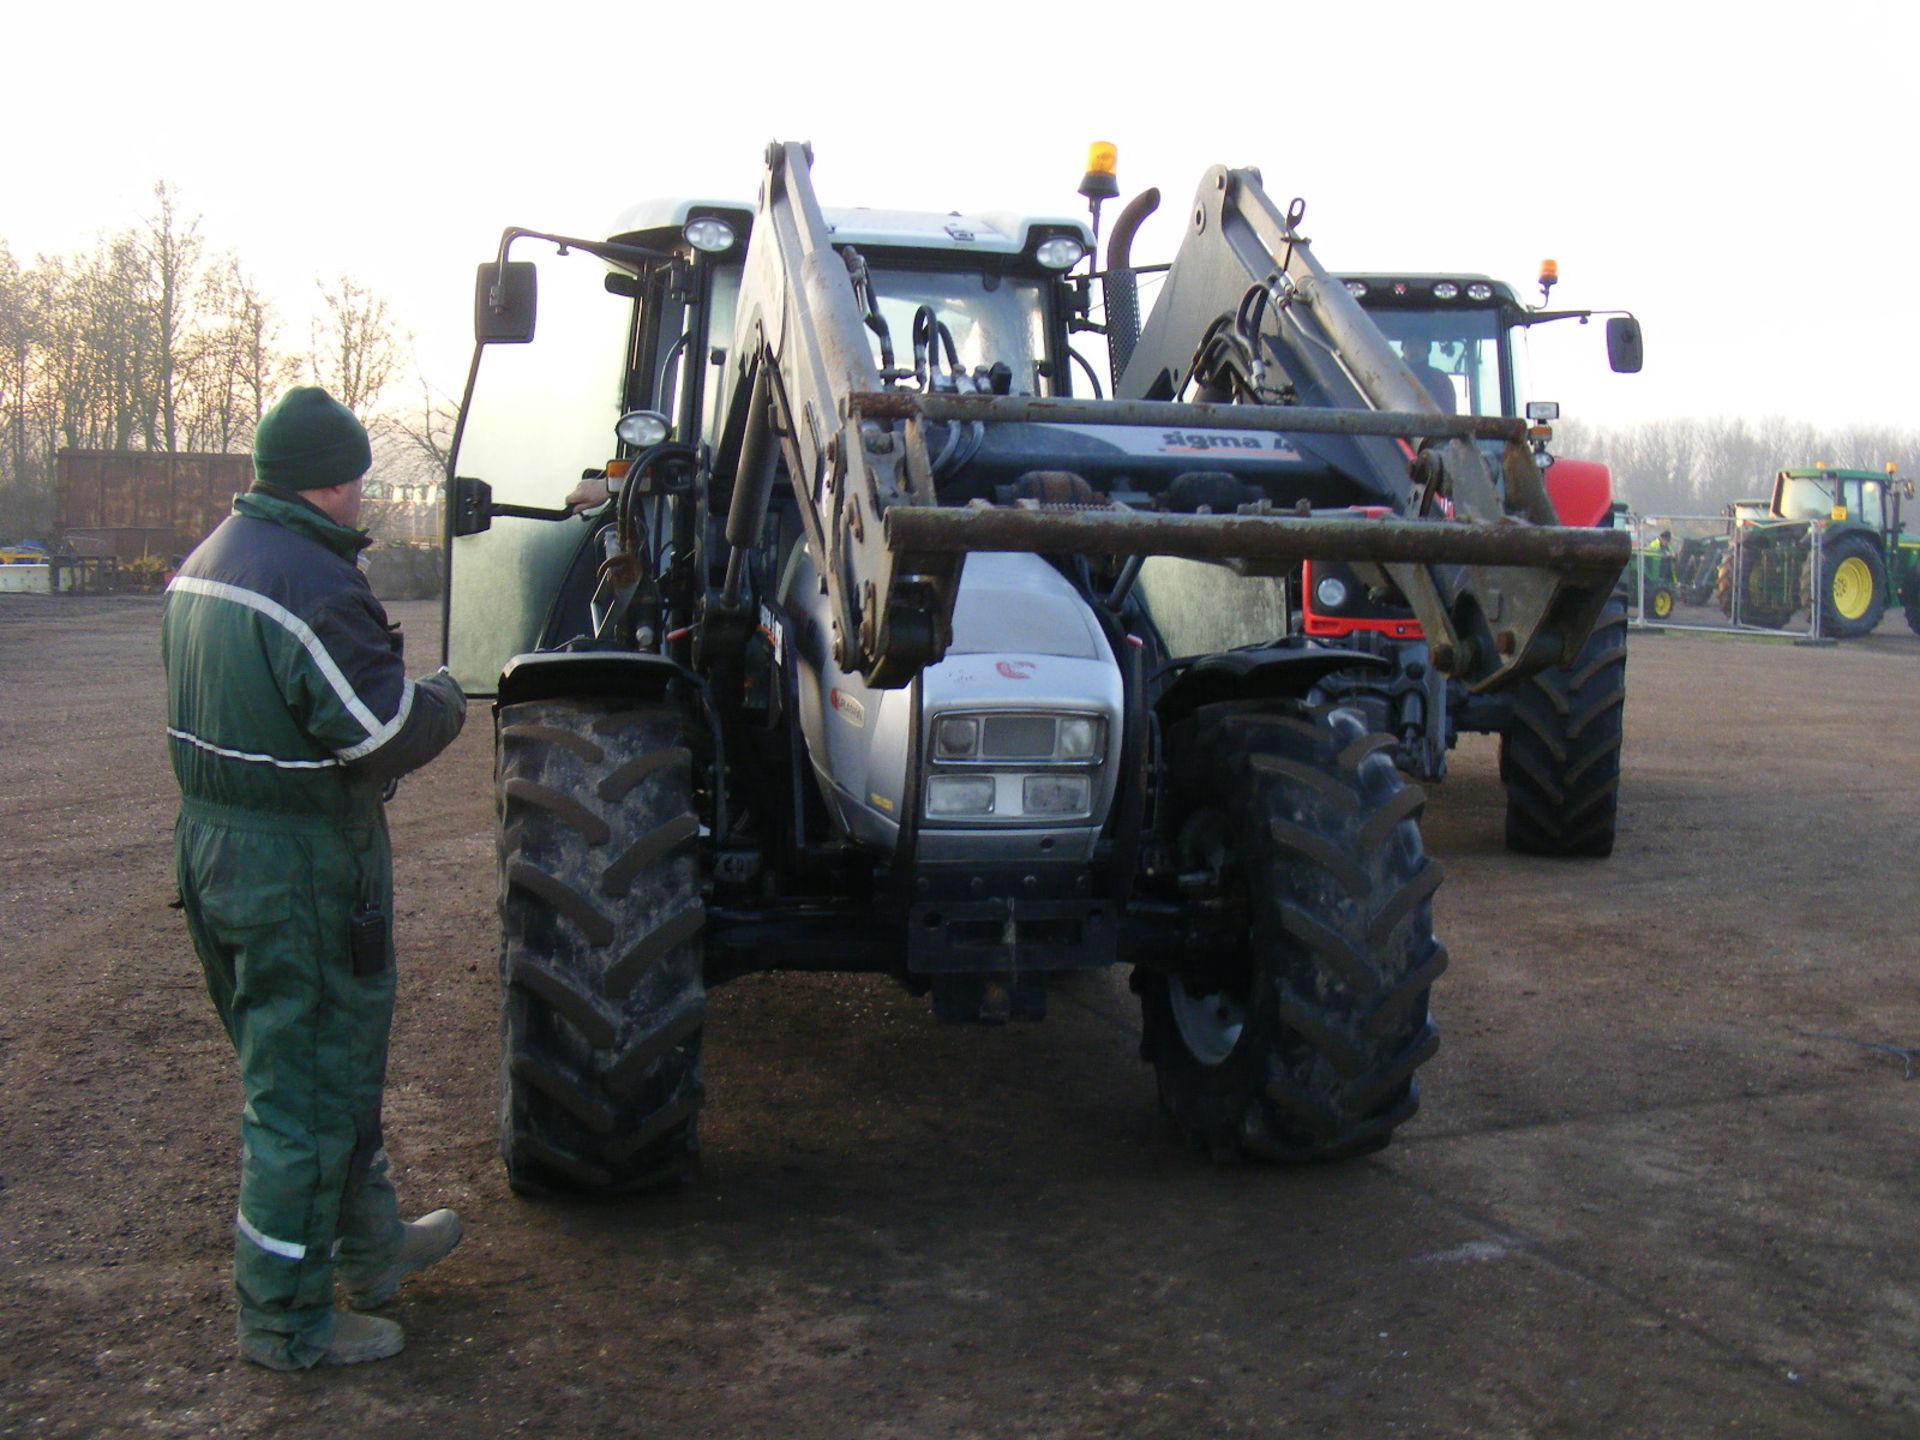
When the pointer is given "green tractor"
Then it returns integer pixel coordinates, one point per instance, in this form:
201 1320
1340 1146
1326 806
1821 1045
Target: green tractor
1866 557
1649 583
1696 565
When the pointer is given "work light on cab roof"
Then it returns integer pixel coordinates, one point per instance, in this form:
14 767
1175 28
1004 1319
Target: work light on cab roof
1062 252
710 234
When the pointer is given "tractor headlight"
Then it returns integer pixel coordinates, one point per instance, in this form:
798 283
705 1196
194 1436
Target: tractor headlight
1082 737
956 737
1055 795
1479 292
949 795
1008 767
642 428
1331 592
1446 290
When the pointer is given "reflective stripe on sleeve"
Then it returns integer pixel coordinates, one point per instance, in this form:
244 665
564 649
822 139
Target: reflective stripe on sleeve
294 626
285 1249
387 731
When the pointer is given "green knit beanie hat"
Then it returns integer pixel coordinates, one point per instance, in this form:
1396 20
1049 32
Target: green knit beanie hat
309 441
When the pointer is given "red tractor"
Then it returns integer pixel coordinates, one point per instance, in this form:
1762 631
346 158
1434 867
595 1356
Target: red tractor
1559 732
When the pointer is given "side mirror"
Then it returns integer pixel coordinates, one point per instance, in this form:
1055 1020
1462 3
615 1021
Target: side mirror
1623 345
504 300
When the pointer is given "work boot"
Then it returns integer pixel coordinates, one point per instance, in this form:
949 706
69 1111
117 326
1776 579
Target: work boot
423 1242
356 1338
362 1337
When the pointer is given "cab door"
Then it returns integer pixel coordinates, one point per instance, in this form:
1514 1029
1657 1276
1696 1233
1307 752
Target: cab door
539 412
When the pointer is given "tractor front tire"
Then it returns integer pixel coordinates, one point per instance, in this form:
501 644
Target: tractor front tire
1660 604
1301 1042
1853 585
602 992
1560 755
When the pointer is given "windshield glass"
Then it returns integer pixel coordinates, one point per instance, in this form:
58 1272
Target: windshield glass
538 416
991 318
1865 499
1454 353
1805 498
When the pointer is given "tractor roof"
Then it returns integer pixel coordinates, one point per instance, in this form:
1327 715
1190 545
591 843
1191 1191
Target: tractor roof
1402 287
993 233
1821 472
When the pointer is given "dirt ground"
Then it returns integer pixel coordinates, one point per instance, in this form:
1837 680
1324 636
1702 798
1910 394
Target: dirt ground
1663 1183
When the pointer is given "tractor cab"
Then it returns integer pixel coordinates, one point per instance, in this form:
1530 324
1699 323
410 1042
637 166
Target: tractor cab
951 304
1456 334
1453 333
1862 498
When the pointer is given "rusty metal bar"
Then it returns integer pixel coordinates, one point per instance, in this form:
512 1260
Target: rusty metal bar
1177 415
934 530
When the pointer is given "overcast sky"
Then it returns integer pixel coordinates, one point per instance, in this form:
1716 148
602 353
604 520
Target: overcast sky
1744 184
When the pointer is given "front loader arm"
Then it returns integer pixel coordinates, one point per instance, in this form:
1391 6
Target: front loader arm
1501 589
799 322
1247 314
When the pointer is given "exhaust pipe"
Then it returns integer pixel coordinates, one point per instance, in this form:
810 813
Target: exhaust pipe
1120 287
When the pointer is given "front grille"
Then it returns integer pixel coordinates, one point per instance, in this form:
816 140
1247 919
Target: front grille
1018 737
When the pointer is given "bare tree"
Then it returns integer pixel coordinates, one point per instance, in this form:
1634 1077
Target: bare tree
353 353
141 343
18 340
231 370
1698 466
428 430
171 252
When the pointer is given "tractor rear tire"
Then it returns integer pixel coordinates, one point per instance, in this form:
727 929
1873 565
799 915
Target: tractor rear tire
602 992
1301 1045
1853 582
1756 607
1560 755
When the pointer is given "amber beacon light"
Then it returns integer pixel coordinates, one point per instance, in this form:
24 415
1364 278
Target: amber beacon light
1103 159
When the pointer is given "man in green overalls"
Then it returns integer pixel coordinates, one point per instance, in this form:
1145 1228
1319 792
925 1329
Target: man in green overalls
288 714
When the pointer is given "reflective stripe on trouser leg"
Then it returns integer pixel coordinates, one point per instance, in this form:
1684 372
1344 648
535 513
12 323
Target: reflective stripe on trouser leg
285 1249
270 914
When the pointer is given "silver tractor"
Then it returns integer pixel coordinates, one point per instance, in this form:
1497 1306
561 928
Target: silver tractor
887 642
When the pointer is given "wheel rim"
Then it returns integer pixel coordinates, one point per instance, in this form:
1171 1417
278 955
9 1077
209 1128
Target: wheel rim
1662 604
1210 1022
1209 1025
1852 588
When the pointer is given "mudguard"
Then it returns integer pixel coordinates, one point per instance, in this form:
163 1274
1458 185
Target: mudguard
558 674
1286 671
